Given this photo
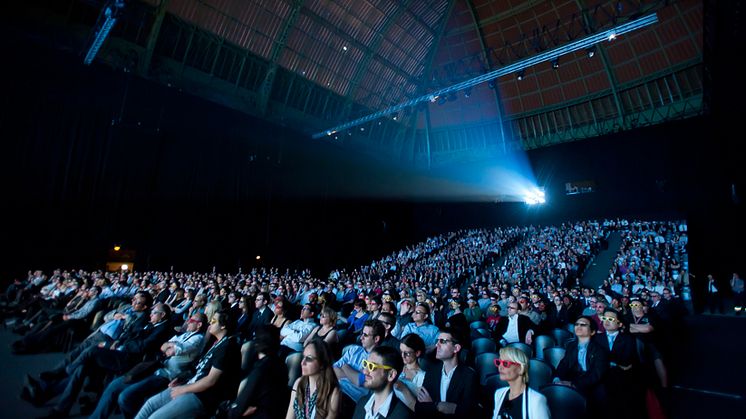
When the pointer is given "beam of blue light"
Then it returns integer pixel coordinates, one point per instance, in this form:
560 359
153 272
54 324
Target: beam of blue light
577 45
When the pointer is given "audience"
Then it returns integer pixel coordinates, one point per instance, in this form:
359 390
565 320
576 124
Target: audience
419 301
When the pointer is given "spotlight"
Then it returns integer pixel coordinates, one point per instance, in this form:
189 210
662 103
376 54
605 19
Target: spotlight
520 74
535 197
555 63
612 36
467 92
591 51
491 84
394 116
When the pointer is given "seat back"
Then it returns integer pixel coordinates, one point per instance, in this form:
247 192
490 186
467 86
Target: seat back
564 402
561 336
482 345
541 342
539 374
293 363
484 364
247 356
554 355
523 348
479 324
487 396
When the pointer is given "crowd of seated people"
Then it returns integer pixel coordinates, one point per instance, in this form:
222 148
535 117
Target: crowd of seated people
393 338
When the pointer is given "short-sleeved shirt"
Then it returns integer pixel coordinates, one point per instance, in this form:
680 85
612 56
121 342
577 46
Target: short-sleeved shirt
225 355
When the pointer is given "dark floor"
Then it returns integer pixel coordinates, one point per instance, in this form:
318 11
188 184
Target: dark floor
708 373
14 369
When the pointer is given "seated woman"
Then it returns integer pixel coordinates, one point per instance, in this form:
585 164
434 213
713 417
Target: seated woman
412 347
517 400
316 393
326 329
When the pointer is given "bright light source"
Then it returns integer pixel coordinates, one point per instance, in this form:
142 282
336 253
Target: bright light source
258 257
344 48
125 267
117 248
612 36
535 197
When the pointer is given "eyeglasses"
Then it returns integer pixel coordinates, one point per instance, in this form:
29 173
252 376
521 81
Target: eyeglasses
582 324
157 312
308 359
306 308
512 308
407 354
608 319
505 363
365 335
372 366
419 312
194 321
633 305
442 341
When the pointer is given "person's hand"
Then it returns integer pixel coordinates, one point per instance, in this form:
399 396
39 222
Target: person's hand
65 317
423 396
177 391
101 344
173 383
446 408
529 338
249 411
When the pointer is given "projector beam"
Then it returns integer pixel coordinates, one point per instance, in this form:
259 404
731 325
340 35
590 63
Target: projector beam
579 44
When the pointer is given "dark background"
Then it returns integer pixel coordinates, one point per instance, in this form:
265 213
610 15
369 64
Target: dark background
92 157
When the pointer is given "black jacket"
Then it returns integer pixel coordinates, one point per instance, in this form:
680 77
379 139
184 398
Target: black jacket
397 410
596 364
462 390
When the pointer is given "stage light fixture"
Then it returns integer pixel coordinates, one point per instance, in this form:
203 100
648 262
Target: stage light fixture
520 75
467 92
110 13
591 51
490 77
555 63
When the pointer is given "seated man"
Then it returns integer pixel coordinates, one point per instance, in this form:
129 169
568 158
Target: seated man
449 390
131 392
381 370
132 347
215 379
51 333
514 327
421 325
294 334
348 368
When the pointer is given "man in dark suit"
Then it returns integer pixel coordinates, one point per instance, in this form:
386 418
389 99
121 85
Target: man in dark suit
584 364
514 327
625 398
262 315
449 389
381 370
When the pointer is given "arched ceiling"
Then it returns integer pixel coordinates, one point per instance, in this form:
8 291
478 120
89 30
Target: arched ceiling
319 63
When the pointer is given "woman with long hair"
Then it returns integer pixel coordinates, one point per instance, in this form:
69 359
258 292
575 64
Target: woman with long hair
315 394
517 400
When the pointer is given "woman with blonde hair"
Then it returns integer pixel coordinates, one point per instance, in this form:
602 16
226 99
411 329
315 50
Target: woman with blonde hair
517 400
315 394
